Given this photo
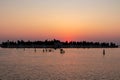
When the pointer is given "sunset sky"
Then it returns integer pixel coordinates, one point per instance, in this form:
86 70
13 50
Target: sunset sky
90 20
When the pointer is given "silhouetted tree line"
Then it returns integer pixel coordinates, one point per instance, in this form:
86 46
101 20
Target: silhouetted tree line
56 44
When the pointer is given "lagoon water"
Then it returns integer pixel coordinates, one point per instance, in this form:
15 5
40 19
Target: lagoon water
74 64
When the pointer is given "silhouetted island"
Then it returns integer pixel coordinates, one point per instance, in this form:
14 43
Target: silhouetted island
56 44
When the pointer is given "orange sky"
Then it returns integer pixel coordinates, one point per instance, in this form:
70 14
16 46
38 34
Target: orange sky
90 20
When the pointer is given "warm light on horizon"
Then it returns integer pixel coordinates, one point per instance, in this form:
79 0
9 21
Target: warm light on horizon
92 20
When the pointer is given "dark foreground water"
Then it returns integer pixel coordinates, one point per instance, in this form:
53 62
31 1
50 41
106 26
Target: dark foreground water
74 64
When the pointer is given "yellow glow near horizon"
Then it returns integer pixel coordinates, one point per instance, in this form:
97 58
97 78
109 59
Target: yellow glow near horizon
65 20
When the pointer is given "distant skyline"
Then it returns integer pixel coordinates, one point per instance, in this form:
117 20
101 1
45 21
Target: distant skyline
66 20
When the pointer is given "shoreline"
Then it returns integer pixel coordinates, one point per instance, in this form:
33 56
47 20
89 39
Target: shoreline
57 44
57 48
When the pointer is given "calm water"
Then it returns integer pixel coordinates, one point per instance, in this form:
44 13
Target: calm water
74 64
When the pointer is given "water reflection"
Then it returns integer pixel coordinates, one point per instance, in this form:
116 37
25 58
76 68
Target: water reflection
76 64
